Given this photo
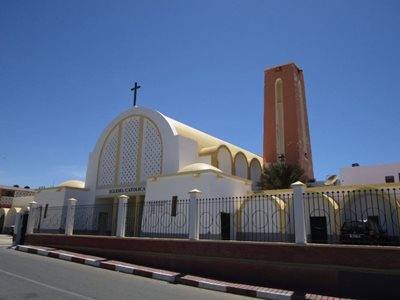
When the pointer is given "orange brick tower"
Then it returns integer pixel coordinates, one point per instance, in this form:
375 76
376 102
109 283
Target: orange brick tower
286 132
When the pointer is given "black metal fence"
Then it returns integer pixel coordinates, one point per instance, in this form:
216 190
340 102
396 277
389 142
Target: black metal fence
49 219
161 219
331 216
368 216
254 218
98 219
165 219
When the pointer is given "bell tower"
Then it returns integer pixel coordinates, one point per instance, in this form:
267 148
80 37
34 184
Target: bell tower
286 131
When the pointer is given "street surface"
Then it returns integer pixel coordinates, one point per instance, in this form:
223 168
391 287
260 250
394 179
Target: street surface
28 276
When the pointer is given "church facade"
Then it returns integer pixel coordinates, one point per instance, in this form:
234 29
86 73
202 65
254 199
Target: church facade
146 155
150 158
156 161
153 160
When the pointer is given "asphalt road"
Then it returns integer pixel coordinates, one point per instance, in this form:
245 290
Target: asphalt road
28 276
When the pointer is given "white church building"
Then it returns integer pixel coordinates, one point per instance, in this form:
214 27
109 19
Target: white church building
156 161
148 156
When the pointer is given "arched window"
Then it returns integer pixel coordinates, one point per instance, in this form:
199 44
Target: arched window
255 172
131 153
279 125
224 158
241 166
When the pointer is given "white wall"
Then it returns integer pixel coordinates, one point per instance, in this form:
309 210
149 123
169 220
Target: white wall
369 174
211 184
206 159
188 152
82 196
52 197
59 196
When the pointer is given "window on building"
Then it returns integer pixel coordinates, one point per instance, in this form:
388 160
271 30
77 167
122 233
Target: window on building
389 179
9 193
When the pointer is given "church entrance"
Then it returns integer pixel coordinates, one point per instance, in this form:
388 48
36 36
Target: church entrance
134 216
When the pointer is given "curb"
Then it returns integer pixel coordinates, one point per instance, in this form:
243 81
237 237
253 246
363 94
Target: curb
171 277
239 289
101 262
139 270
61 254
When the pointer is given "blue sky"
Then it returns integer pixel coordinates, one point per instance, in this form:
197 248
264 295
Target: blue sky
66 69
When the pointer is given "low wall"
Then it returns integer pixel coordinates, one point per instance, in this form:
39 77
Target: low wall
372 272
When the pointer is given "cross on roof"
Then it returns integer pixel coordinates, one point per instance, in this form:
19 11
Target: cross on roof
134 89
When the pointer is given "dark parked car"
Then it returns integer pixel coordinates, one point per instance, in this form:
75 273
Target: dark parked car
362 232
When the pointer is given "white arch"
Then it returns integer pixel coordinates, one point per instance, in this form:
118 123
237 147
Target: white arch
11 215
255 172
241 165
167 132
224 158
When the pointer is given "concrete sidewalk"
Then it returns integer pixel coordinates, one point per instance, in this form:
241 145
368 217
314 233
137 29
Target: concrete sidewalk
5 240
172 277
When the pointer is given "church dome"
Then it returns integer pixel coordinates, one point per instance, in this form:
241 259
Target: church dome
199 167
72 184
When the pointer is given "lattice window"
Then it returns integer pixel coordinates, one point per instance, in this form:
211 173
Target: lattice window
129 151
152 151
108 160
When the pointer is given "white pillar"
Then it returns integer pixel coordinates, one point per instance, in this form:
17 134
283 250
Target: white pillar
194 220
32 217
69 221
121 221
299 216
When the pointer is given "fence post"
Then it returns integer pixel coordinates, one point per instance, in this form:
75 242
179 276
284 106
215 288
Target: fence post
32 217
121 221
69 221
16 224
17 228
194 220
299 216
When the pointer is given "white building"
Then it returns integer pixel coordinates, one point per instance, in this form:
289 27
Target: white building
150 157
357 175
143 153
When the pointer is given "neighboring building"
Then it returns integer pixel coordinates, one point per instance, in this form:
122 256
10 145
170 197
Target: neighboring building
8 193
356 175
12 201
286 131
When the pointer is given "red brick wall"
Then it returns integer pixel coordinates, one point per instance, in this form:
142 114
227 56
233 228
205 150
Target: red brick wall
294 152
318 268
